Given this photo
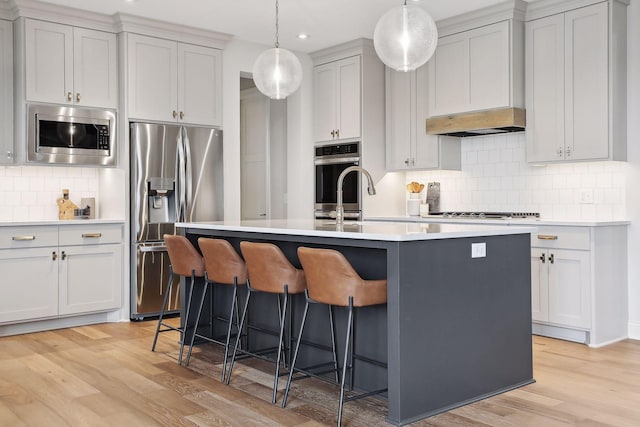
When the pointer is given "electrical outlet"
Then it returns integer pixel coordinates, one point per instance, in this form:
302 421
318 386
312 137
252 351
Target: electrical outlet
478 250
586 196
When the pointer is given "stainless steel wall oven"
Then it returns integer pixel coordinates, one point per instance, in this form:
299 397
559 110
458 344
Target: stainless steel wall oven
330 161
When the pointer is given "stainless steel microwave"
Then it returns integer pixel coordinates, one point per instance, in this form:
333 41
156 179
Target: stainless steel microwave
68 135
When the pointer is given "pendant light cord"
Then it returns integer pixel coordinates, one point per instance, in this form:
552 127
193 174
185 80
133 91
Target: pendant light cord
277 26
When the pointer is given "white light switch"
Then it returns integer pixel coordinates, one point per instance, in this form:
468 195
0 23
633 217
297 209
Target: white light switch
478 250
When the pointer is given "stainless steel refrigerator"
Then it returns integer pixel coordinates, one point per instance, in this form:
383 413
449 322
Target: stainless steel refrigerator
176 175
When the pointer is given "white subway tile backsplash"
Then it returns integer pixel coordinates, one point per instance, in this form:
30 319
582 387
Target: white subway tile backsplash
496 177
30 192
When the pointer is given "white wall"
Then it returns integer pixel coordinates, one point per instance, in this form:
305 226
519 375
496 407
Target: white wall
238 58
496 177
633 155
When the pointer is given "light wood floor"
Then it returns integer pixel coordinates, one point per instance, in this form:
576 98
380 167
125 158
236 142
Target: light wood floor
106 375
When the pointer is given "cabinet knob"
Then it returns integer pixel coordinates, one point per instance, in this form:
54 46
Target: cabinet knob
559 152
64 255
9 154
54 255
181 115
337 133
69 96
78 97
406 162
413 162
333 134
551 258
568 151
543 258
174 114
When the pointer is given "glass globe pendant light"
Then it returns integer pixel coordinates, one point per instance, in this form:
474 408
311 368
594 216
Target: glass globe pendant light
405 37
277 72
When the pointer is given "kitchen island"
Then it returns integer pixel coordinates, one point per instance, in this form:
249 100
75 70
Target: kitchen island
457 325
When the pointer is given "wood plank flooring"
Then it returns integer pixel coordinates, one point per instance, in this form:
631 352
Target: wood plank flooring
106 375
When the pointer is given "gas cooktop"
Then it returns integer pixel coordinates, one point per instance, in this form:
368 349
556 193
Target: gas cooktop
487 215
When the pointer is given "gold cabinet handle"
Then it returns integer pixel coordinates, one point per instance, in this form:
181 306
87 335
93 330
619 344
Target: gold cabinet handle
547 237
78 97
174 114
181 115
92 235
23 238
69 96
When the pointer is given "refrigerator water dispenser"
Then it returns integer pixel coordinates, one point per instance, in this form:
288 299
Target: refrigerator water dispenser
161 196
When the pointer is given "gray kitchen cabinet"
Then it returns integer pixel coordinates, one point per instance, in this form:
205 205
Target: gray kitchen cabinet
408 147
69 65
52 271
336 98
575 68
173 82
6 92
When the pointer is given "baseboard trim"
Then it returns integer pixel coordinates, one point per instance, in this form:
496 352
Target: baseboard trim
578 336
634 330
49 324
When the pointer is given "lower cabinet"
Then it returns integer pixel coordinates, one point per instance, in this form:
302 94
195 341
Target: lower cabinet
579 283
51 271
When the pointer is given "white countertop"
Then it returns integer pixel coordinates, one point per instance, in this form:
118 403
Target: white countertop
509 222
361 230
60 222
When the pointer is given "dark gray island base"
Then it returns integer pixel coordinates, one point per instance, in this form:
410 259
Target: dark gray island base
456 329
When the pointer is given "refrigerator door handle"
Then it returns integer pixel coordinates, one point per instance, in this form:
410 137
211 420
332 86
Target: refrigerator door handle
180 181
188 178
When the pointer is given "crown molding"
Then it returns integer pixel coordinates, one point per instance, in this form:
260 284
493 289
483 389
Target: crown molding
150 27
510 9
344 50
540 9
62 14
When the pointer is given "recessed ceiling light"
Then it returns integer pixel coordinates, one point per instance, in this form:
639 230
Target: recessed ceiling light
303 36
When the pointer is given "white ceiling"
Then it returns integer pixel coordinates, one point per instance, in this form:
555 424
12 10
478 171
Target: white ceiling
328 22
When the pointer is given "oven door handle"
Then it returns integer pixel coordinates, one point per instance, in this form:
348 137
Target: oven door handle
335 161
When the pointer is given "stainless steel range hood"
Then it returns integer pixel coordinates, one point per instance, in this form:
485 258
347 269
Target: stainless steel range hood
477 123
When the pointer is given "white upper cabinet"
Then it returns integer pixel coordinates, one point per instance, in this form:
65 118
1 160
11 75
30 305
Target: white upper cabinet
576 84
170 81
67 65
337 95
408 147
472 70
6 93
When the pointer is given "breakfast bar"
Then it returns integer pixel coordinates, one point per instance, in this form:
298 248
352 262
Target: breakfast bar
457 324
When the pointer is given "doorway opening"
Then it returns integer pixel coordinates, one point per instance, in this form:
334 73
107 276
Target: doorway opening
263 154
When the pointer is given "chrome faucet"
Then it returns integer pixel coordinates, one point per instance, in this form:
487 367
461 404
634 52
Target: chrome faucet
371 189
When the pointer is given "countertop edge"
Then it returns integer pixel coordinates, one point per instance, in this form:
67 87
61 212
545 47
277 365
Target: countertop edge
507 222
60 222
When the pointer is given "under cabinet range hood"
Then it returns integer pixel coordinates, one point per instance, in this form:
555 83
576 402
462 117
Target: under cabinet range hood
477 123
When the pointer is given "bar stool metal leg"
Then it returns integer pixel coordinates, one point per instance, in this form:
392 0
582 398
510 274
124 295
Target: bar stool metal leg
282 322
163 309
193 336
295 353
333 342
234 308
235 347
346 359
186 320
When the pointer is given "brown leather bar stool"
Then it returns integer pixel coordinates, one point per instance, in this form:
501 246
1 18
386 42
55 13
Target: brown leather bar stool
271 272
332 280
223 265
185 261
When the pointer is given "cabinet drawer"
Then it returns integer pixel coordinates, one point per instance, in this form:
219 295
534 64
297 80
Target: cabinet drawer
562 237
28 237
90 234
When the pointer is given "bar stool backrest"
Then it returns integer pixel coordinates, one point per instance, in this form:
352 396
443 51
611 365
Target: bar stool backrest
269 269
331 279
183 256
221 261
